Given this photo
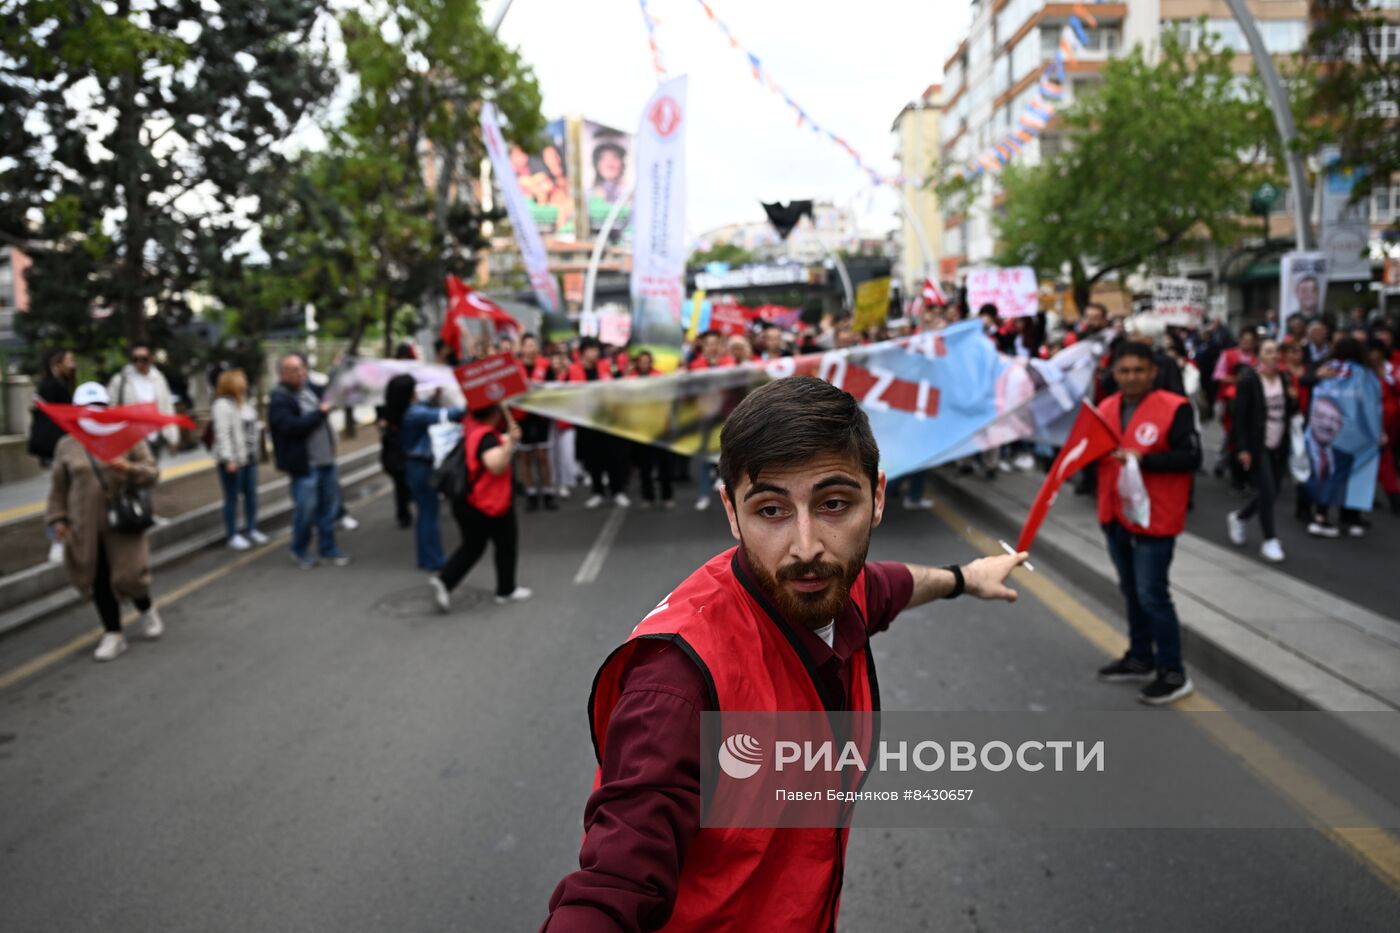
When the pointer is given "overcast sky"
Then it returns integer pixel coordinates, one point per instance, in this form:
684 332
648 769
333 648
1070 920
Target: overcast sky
852 65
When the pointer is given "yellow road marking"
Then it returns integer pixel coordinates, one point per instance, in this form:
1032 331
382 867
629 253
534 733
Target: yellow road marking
1377 849
90 638
30 509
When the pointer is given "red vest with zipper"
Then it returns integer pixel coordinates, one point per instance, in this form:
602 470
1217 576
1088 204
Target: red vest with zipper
490 494
781 879
577 373
1146 433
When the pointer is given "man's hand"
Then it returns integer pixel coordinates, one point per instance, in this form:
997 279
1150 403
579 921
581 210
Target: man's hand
1122 455
985 577
119 465
324 408
1246 459
60 532
230 468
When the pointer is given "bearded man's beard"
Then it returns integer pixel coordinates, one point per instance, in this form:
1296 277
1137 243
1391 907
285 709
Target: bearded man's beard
809 610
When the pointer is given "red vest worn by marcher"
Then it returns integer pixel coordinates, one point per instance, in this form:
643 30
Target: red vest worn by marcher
1146 433
577 373
775 879
490 494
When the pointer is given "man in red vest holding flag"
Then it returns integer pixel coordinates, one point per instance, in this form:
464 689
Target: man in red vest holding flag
781 622
1158 433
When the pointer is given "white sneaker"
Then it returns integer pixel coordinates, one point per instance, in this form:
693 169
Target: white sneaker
1237 528
1004 466
440 594
110 647
1356 531
1322 530
151 625
1272 551
1024 462
594 501
258 538
621 501
238 543
348 522
518 595
563 492
56 553
702 505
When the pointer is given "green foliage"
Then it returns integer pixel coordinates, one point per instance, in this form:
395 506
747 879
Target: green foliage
731 253
1160 154
137 135
1354 86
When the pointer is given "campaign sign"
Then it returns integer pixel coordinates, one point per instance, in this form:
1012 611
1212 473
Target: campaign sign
490 380
1179 302
1014 291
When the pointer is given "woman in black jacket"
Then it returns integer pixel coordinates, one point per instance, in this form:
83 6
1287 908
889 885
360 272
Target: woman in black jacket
1264 404
56 388
398 395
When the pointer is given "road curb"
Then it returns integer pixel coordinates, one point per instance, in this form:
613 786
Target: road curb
42 590
1263 672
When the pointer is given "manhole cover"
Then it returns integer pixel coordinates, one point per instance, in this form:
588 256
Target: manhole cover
417 601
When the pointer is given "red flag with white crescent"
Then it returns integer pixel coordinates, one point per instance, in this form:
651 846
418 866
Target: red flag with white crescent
933 294
110 432
1089 440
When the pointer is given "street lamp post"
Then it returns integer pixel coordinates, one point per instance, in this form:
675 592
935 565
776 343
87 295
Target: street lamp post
1283 119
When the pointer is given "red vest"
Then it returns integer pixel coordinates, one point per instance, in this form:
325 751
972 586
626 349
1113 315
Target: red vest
1146 433
490 494
781 879
577 374
701 363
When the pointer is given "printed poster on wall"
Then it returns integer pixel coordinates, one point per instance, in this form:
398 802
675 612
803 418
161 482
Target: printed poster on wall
1179 302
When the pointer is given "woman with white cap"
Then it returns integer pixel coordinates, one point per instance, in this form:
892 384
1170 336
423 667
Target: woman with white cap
104 565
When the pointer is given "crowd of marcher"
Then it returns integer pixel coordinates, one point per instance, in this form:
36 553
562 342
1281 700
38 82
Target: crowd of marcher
1255 383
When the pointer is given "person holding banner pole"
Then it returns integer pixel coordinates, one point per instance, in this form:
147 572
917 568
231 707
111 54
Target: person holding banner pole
1158 442
602 454
487 513
1264 405
420 456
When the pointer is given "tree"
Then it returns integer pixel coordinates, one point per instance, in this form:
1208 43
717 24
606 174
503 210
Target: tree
138 137
1158 155
1356 89
731 253
419 103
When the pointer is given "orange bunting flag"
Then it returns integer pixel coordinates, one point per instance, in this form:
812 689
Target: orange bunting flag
1083 13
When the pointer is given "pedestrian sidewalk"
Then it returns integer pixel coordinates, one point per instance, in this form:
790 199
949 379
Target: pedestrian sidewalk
1282 642
26 498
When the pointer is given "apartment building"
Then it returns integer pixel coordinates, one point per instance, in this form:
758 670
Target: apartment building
916 131
996 68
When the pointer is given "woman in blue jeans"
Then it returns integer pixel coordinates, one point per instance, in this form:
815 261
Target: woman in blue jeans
416 441
236 452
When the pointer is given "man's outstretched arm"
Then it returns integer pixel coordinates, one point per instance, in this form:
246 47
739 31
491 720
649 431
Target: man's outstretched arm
984 578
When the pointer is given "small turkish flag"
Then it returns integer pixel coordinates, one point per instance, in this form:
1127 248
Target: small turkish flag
110 432
1090 439
933 294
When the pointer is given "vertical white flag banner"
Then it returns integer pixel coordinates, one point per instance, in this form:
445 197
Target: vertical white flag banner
658 224
527 235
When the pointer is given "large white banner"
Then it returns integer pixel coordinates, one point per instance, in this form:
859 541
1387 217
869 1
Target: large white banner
527 235
658 223
1014 291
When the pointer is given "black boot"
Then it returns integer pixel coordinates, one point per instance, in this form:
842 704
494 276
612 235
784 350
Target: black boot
1395 503
549 504
532 503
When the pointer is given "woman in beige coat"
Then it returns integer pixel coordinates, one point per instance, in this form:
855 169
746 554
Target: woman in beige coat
103 565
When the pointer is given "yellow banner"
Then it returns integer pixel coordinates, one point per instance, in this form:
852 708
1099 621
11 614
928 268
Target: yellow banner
872 304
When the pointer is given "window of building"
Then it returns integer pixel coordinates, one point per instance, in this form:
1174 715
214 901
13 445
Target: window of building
7 281
1385 204
1013 16
1104 39
1281 36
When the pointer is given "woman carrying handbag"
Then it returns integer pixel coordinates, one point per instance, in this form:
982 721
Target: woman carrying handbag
105 563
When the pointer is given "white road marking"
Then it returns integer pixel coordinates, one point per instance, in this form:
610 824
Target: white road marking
593 563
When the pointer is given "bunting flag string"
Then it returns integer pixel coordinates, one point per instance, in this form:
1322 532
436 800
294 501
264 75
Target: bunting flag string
1039 112
651 41
803 116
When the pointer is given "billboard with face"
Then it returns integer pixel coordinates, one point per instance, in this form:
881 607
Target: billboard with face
544 180
607 172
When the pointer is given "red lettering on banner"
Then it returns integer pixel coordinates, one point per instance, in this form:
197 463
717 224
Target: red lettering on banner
915 398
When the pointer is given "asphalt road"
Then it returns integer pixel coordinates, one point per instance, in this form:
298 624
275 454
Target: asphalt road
322 751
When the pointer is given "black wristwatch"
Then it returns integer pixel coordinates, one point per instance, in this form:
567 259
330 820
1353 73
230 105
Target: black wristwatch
958 582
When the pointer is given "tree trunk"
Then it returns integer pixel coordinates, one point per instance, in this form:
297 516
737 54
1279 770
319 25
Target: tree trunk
131 275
